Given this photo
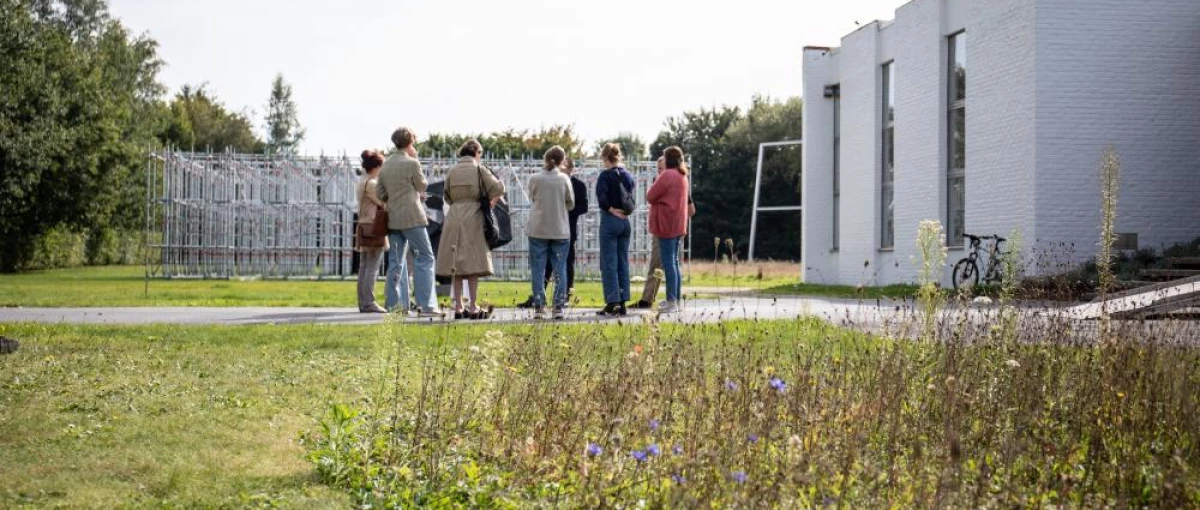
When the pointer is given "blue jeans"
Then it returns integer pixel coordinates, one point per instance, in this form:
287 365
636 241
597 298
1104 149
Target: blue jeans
614 258
668 250
396 290
556 250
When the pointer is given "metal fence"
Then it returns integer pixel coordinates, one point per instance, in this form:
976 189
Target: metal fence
224 215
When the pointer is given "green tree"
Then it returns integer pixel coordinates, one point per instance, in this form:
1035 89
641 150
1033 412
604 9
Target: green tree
78 108
632 146
510 143
284 132
722 145
196 120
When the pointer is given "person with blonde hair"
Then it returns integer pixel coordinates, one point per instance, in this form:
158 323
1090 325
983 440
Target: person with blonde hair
549 231
580 209
614 195
463 253
668 202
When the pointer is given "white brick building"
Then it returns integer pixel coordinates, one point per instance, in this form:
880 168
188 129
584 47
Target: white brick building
1048 85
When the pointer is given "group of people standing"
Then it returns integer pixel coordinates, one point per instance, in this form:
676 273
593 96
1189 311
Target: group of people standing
397 184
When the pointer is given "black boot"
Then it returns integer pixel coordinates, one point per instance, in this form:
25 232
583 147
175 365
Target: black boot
527 304
621 310
643 304
610 310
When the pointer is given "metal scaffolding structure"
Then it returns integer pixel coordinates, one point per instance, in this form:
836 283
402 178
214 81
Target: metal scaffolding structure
225 215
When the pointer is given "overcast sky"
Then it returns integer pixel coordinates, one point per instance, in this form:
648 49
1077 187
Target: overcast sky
362 67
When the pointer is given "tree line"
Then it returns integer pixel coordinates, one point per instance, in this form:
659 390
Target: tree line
80 103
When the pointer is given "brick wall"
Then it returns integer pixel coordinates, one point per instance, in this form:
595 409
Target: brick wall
1127 74
1050 83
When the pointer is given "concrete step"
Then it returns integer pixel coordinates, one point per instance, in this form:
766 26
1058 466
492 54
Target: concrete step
1156 300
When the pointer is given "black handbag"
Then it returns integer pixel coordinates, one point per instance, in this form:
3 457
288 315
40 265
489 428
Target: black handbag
628 204
497 225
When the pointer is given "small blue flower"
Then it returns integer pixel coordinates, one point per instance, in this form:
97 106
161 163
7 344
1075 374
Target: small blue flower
653 450
639 455
778 384
678 479
730 385
740 476
653 425
828 501
594 450
753 438
678 450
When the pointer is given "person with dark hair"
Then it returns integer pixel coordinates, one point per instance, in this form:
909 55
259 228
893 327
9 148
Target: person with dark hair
650 288
667 198
370 250
614 195
579 189
402 187
463 252
549 234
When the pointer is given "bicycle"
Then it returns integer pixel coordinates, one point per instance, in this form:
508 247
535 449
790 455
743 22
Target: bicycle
967 270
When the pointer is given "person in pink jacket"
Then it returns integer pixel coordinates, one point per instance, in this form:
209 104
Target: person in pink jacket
668 199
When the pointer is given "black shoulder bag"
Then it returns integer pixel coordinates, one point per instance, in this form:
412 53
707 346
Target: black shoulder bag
497 226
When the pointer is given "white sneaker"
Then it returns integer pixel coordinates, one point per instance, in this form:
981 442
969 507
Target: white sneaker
668 307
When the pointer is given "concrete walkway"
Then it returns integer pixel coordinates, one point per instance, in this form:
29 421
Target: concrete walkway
895 318
695 311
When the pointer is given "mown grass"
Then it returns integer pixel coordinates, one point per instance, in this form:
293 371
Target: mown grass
190 416
176 417
843 291
126 286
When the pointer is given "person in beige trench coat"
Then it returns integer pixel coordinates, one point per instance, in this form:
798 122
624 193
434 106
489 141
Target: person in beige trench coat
463 252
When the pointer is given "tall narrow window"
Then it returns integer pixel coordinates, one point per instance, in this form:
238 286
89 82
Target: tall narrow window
956 167
887 228
837 168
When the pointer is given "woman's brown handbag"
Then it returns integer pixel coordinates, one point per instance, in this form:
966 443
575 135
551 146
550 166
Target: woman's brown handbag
368 234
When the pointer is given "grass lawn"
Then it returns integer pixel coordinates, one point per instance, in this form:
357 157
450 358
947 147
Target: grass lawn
843 291
191 416
765 414
183 417
126 286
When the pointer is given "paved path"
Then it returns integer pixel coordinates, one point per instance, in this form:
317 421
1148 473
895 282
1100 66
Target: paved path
696 311
1038 322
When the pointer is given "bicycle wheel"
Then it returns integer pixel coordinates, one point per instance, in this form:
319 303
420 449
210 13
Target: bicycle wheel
966 274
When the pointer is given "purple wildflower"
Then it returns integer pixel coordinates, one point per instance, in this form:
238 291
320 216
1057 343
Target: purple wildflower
730 385
778 384
654 425
653 450
740 476
639 455
678 450
678 479
594 450
753 438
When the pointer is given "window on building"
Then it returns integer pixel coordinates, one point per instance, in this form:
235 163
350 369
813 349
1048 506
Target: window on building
956 167
837 169
887 230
